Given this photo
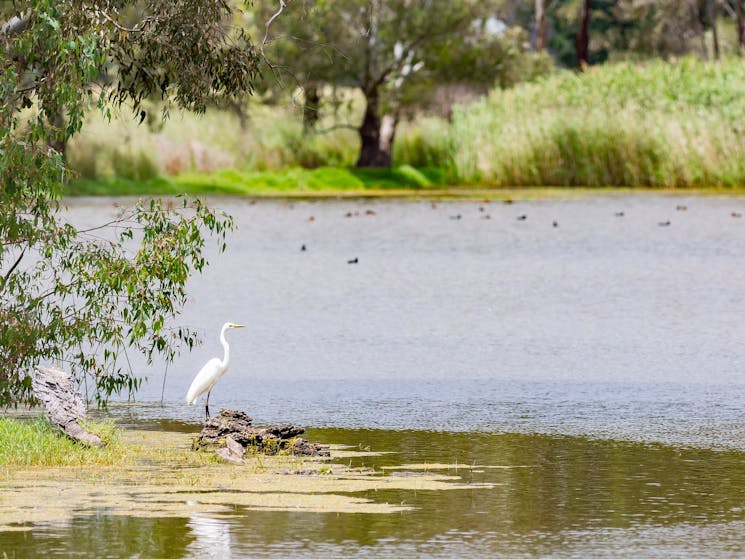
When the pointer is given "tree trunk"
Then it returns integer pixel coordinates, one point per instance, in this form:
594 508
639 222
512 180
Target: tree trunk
56 139
65 407
541 25
711 15
239 109
698 27
583 35
311 108
740 25
376 134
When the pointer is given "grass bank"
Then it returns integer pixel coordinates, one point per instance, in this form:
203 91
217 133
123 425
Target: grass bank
293 181
38 443
303 184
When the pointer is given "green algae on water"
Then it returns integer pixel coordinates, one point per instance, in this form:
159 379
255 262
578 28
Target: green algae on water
160 476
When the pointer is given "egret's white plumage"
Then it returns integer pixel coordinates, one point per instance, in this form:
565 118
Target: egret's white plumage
211 372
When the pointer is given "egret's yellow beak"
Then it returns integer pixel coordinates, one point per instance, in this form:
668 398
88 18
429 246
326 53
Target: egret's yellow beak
239 325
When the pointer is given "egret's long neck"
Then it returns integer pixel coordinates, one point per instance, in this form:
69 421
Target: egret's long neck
224 342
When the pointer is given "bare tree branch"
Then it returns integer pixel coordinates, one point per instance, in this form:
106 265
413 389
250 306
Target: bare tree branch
282 6
728 8
139 28
408 51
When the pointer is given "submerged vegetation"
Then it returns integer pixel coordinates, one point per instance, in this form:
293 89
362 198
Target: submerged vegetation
657 124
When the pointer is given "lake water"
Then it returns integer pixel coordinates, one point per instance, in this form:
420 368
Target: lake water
601 353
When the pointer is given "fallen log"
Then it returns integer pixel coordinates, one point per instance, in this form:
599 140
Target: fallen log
65 407
232 434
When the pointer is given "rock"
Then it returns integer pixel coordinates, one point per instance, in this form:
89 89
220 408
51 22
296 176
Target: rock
234 447
232 452
65 407
229 421
304 447
283 431
232 434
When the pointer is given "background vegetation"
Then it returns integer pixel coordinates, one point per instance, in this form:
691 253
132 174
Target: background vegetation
498 93
654 124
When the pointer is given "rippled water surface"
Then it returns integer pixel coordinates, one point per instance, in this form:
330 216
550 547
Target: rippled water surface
603 356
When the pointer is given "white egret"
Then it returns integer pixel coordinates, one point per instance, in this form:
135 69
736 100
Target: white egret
211 372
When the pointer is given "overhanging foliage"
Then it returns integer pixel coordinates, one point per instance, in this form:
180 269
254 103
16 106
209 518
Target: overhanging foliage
84 296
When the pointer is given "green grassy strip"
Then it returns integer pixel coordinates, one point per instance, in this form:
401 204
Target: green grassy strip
295 184
292 181
38 443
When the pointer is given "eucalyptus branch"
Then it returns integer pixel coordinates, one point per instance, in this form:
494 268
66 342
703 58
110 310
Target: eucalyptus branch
15 264
116 24
728 8
282 6
118 221
139 28
397 64
28 88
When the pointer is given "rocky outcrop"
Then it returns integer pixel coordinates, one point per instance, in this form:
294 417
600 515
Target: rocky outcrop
232 434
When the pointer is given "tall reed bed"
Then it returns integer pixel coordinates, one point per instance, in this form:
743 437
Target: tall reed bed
272 139
659 124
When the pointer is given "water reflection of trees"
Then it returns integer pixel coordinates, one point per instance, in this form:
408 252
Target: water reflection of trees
569 483
101 535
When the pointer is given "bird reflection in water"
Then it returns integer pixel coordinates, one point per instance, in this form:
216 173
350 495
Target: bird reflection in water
212 538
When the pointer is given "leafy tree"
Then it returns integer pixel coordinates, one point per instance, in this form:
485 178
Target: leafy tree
635 28
395 52
664 28
85 296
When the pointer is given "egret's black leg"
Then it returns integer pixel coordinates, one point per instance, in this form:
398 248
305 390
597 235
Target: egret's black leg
207 405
